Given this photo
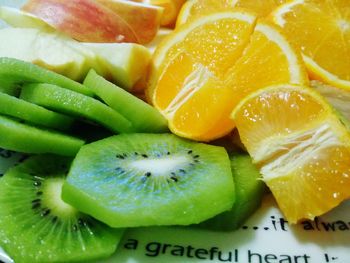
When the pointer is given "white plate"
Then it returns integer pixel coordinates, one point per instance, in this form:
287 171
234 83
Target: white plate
265 238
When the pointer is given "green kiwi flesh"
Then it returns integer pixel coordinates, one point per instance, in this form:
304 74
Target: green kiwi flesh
75 104
143 116
25 138
249 189
131 180
37 226
17 72
33 113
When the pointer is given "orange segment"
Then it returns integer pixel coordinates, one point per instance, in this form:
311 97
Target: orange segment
203 69
322 30
269 59
300 146
194 8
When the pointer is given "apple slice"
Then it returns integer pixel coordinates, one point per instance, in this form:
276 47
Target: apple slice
50 51
143 19
83 20
18 18
171 9
122 63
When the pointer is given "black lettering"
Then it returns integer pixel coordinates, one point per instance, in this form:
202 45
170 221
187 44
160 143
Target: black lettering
212 251
285 259
269 257
228 259
252 256
189 250
304 257
307 225
283 224
165 246
153 249
178 251
328 226
131 244
201 253
342 225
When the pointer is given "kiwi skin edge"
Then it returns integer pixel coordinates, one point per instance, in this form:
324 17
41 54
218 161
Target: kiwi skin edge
249 189
37 226
133 180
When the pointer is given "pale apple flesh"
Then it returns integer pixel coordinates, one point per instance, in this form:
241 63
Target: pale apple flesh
83 20
171 9
143 19
18 18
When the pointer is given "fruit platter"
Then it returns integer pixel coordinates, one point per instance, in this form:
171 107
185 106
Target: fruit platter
175 131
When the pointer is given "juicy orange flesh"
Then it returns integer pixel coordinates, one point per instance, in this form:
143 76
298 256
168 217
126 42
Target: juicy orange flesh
196 118
257 67
205 7
189 91
323 32
216 45
316 187
169 85
188 111
276 114
318 178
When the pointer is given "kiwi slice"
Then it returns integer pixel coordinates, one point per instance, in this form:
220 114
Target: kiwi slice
73 103
9 89
249 193
33 113
143 116
37 226
17 72
22 137
131 180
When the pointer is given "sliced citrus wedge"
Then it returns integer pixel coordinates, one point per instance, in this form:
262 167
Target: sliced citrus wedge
322 30
269 59
203 69
300 146
194 8
185 81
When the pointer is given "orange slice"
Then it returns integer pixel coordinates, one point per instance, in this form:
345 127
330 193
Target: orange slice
194 8
322 30
185 82
203 69
300 146
269 59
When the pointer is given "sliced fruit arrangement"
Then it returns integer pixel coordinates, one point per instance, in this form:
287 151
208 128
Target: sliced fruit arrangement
249 191
37 226
17 108
126 104
18 18
75 104
322 31
224 66
143 19
195 8
47 100
84 20
21 137
197 80
300 146
14 72
122 63
133 180
100 20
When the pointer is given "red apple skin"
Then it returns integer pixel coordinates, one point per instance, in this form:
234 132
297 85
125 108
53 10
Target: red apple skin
143 19
83 20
